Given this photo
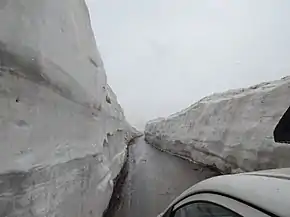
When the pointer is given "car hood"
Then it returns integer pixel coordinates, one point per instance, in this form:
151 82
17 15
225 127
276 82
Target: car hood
253 188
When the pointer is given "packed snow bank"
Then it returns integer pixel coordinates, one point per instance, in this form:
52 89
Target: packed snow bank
232 131
62 130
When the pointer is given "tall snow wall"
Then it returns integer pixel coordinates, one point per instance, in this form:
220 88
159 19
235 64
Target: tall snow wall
232 131
62 131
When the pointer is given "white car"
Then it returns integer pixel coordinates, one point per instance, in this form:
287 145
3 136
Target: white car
254 194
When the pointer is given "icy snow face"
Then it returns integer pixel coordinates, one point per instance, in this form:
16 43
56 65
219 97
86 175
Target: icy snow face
62 130
232 131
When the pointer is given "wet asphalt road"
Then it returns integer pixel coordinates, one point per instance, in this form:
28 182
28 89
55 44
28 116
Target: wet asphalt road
154 179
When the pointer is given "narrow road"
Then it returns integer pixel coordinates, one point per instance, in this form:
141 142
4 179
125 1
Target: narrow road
154 179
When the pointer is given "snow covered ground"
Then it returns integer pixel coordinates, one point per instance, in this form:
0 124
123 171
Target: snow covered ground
232 131
62 130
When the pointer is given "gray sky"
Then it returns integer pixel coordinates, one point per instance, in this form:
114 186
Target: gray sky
163 55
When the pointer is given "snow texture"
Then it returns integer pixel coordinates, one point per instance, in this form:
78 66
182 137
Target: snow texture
62 130
232 131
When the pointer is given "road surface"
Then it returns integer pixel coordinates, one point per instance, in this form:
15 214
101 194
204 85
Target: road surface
154 179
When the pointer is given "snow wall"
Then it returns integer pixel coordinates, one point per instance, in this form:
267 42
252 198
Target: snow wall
62 131
232 131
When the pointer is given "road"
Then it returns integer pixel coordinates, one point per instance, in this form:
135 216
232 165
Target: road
154 179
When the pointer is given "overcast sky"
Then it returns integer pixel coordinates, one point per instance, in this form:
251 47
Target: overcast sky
163 55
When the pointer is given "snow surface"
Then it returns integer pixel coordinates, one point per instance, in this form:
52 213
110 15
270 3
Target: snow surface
232 131
62 130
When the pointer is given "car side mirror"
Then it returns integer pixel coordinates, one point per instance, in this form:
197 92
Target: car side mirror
282 130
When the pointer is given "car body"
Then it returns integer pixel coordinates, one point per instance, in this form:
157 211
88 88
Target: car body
262 193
